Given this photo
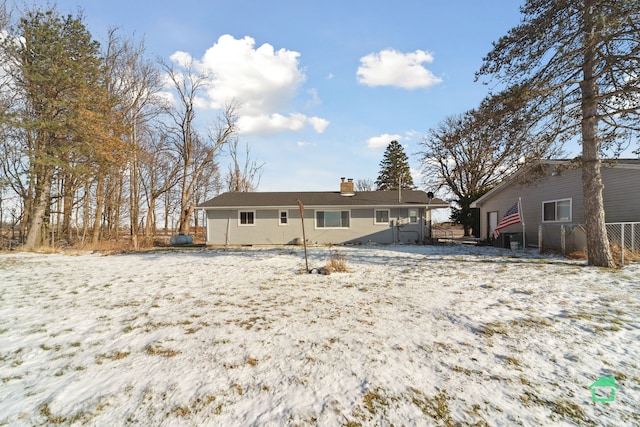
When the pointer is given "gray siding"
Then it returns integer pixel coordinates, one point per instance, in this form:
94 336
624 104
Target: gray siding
223 227
620 194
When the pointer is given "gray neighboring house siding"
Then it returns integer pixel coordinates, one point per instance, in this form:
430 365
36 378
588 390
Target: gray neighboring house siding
224 223
561 180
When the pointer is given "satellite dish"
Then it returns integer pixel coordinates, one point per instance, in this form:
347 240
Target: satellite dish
430 195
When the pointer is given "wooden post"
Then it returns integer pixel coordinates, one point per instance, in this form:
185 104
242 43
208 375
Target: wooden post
304 237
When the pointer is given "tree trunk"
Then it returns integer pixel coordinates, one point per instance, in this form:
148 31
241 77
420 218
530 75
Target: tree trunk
598 249
167 209
184 220
134 202
42 198
95 235
68 193
184 223
29 200
117 205
151 222
85 210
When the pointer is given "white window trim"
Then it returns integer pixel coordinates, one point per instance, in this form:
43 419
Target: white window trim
280 217
240 224
375 217
409 216
556 211
315 219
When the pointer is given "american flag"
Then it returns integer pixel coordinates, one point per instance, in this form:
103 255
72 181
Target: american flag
511 217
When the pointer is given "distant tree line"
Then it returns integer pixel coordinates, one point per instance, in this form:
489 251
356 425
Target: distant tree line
91 144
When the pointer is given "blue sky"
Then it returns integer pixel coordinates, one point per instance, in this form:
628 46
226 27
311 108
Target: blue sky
324 85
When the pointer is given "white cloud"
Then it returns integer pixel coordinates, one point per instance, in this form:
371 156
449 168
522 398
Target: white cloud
410 134
392 68
262 80
303 144
314 99
318 123
416 175
382 141
181 58
274 123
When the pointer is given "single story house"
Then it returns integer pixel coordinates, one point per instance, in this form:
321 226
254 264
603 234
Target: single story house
551 196
330 217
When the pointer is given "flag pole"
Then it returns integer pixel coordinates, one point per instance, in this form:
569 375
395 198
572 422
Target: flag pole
524 234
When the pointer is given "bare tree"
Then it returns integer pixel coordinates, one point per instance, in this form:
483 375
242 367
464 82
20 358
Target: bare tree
243 179
194 151
134 83
209 184
159 172
470 153
366 184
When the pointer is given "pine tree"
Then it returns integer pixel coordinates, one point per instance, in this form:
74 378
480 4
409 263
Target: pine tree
394 169
56 69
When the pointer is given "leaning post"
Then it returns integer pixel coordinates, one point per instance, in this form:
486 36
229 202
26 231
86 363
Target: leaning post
304 237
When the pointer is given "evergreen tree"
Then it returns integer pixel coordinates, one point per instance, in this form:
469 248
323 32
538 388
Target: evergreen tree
394 169
56 70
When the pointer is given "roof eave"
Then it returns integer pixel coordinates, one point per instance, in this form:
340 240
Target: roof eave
379 205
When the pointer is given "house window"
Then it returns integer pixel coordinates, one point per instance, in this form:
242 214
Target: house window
246 217
284 218
381 216
332 219
556 210
413 215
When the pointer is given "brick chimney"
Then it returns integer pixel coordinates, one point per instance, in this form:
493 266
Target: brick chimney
347 187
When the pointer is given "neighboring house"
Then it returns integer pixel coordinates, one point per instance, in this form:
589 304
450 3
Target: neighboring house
551 196
340 217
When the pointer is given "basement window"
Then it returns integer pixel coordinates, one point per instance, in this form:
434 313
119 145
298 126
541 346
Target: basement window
246 218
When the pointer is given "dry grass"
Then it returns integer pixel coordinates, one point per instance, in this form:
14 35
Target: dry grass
581 254
629 256
616 252
337 262
159 350
109 245
115 246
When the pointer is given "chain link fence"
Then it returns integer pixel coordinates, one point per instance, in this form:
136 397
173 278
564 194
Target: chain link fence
624 238
563 238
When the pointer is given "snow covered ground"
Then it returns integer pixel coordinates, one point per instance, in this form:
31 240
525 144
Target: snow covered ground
424 335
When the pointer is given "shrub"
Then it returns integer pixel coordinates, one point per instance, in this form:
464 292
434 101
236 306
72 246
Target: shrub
337 262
